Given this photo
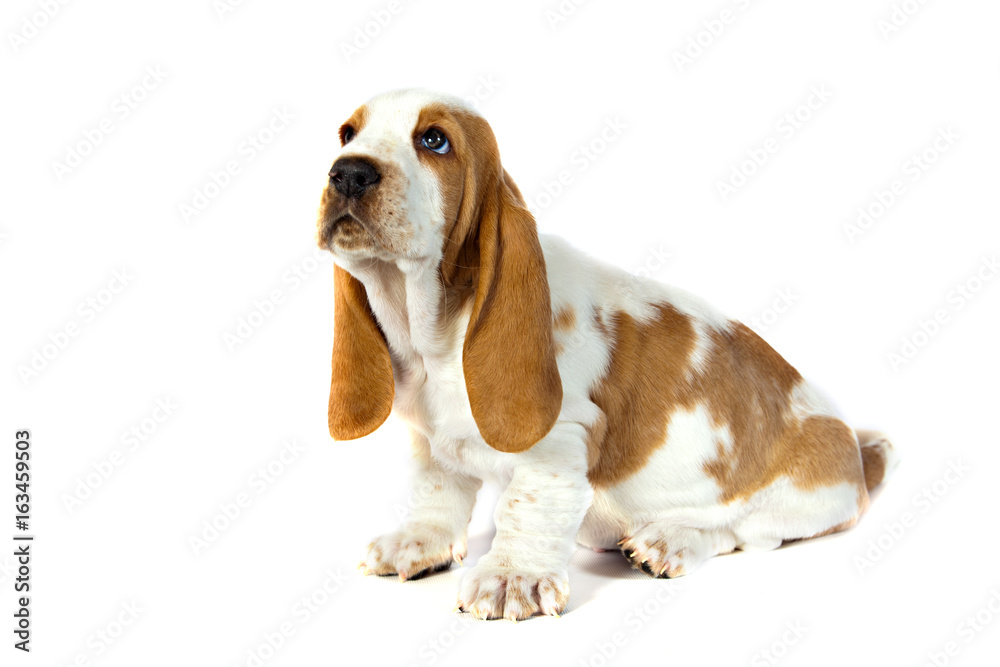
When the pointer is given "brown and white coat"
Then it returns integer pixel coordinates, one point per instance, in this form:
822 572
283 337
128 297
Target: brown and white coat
612 411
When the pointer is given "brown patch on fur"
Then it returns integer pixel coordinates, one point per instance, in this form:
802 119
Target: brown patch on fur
817 451
602 326
873 459
564 319
746 387
821 451
361 383
812 453
644 383
595 436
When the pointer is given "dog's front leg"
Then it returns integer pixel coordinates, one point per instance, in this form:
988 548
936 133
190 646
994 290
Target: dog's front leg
537 518
433 535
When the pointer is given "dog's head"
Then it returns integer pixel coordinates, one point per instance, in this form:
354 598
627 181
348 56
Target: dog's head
419 178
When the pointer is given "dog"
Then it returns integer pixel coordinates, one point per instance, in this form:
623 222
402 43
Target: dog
613 411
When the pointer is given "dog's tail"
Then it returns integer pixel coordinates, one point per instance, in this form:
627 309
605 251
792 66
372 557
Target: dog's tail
878 456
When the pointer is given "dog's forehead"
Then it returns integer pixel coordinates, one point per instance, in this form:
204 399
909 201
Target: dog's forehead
397 112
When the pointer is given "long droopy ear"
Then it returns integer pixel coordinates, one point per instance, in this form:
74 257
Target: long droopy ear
509 355
361 387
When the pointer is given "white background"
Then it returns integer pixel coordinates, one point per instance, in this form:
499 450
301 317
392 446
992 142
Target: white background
653 190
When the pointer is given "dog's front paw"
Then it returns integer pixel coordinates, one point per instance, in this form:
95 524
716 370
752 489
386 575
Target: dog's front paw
493 591
413 553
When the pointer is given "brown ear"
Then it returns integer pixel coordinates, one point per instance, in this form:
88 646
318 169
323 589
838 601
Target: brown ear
361 387
509 356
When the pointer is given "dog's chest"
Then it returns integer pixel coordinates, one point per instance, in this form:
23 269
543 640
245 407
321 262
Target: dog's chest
431 397
426 346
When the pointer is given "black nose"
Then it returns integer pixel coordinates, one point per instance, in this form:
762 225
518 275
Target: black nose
351 176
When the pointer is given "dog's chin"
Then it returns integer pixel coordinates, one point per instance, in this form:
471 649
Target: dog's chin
348 236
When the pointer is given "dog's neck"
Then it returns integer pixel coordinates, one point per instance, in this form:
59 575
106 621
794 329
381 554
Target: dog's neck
418 315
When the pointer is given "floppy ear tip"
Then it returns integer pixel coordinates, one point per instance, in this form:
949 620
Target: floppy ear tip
519 441
337 431
344 425
503 442
520 433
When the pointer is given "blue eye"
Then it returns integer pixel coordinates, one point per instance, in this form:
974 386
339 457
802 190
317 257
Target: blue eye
435 140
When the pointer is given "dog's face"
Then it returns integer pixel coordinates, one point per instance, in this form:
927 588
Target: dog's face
407 162
418 183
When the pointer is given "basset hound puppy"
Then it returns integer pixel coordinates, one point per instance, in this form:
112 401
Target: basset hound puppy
613 411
